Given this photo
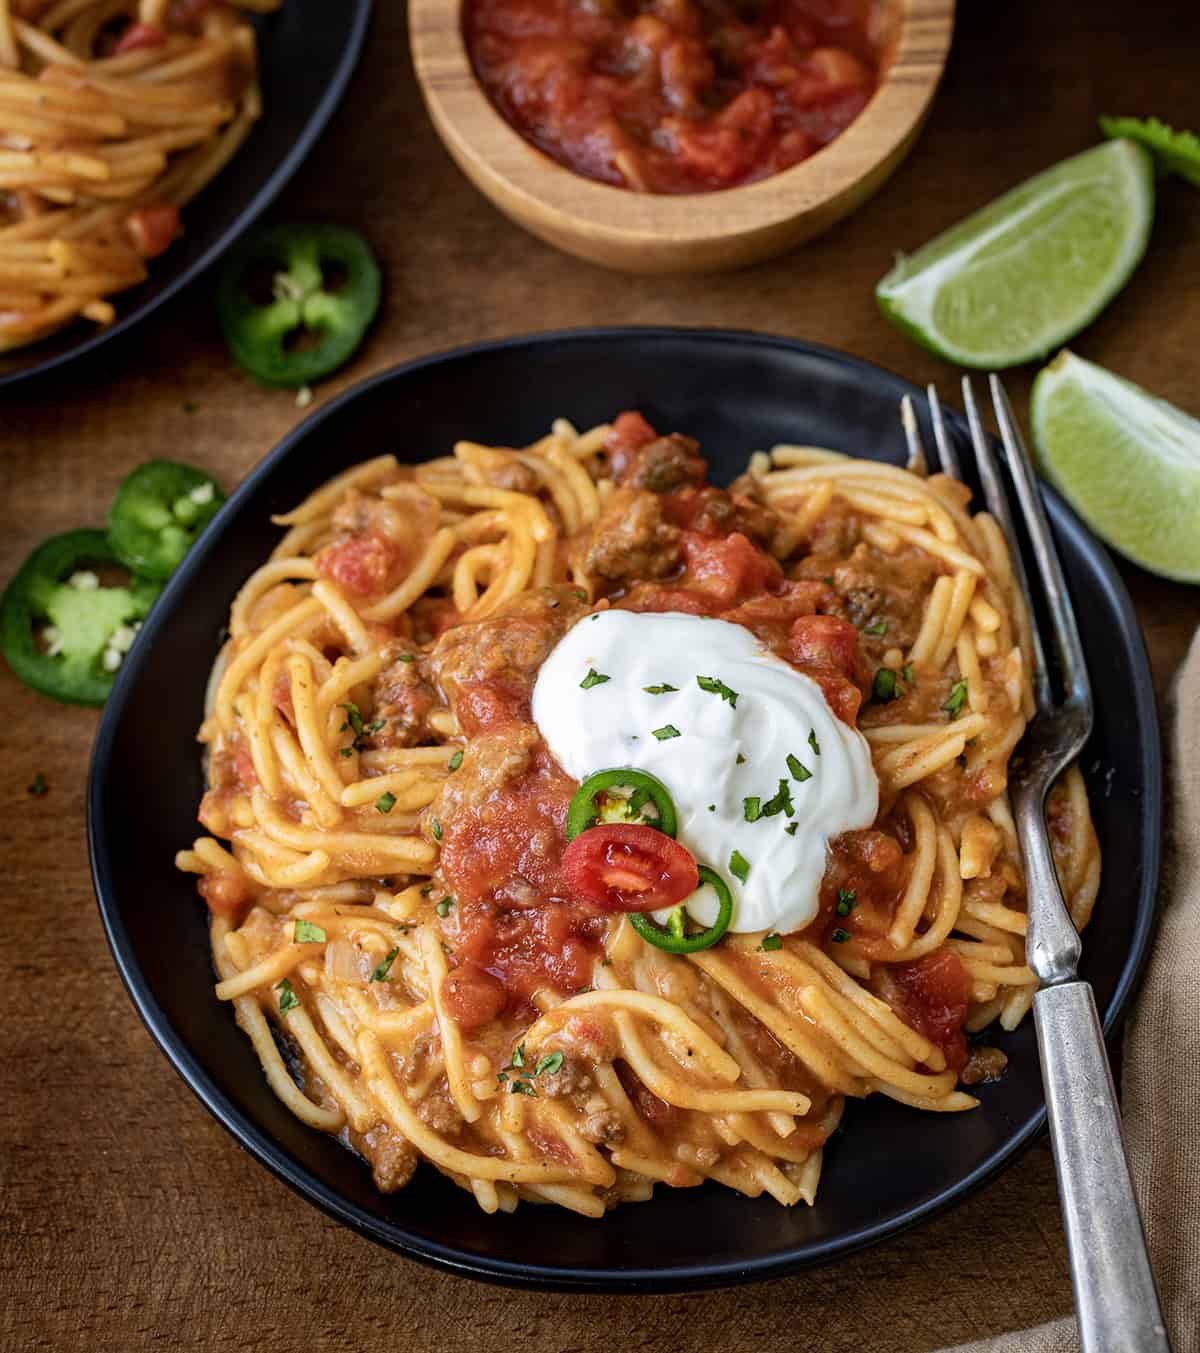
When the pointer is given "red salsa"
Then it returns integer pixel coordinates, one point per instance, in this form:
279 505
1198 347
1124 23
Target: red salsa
675 96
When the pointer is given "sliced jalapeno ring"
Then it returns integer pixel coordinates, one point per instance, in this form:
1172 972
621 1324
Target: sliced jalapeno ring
63 633
158 513
583 813
301 327
673 939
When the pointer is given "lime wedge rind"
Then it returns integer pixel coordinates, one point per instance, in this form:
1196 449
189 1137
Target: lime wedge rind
1019 277
1126 461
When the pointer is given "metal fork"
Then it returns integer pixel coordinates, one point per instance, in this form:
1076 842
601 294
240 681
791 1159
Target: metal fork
1115 1297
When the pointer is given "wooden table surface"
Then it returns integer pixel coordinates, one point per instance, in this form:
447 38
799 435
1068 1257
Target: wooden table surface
129 1220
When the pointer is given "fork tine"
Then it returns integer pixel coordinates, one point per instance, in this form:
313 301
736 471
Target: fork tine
998 506
918 461
947 455
1058 599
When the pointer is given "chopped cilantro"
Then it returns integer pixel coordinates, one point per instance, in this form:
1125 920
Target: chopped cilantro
840 936
437 830
455 761
741 760
593 678
752 808
288 1000
813 743
791 828
884 686
306 932
879 627
715 686
780 802
771 942
958 698
666 732
800 772
550 1065
847 901
443 907
661 689
739 866
381 972
385 803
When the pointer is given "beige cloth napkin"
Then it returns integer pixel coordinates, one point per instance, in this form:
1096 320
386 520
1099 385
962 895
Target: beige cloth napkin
1161 1083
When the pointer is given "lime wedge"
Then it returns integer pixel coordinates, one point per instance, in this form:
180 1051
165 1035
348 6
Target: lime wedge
1127 462
1019 277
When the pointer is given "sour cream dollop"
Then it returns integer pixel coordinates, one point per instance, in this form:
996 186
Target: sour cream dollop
599 703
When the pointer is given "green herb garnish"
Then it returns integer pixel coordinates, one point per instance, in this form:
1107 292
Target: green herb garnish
443 907
593 678
780 802
799 771
381 972
884 686
739 866
879 627
717 687
288 1000
437 830
38 787
813 743
455 761
661 689
306 932
791 828
550 1065
667 732
385 803
840 936
958 698
752 808
771 942
847 901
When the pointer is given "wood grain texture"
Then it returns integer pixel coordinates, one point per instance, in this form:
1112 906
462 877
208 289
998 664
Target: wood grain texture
651 233
129 1220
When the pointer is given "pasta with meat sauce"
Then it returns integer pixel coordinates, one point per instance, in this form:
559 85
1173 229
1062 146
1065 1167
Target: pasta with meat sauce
444 946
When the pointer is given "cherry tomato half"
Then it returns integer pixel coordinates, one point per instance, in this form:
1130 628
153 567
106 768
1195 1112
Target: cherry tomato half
624 866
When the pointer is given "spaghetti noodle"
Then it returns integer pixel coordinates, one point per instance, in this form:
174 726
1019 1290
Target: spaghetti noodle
113 115
389 919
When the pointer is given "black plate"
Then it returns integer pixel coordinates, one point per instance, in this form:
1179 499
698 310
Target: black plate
891 1166
307 50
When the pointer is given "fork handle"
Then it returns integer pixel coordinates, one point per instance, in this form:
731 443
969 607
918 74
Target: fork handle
1115 1297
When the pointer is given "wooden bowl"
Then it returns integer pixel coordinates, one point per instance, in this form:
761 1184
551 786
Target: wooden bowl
694 232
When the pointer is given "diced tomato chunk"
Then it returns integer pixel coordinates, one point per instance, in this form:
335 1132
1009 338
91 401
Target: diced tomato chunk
473 996
363 565
932 994
628 434
826 649
138 37
729 568
484 706
227 894
153 227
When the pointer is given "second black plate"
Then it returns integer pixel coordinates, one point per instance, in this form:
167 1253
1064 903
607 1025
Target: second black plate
307 52
891 1166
